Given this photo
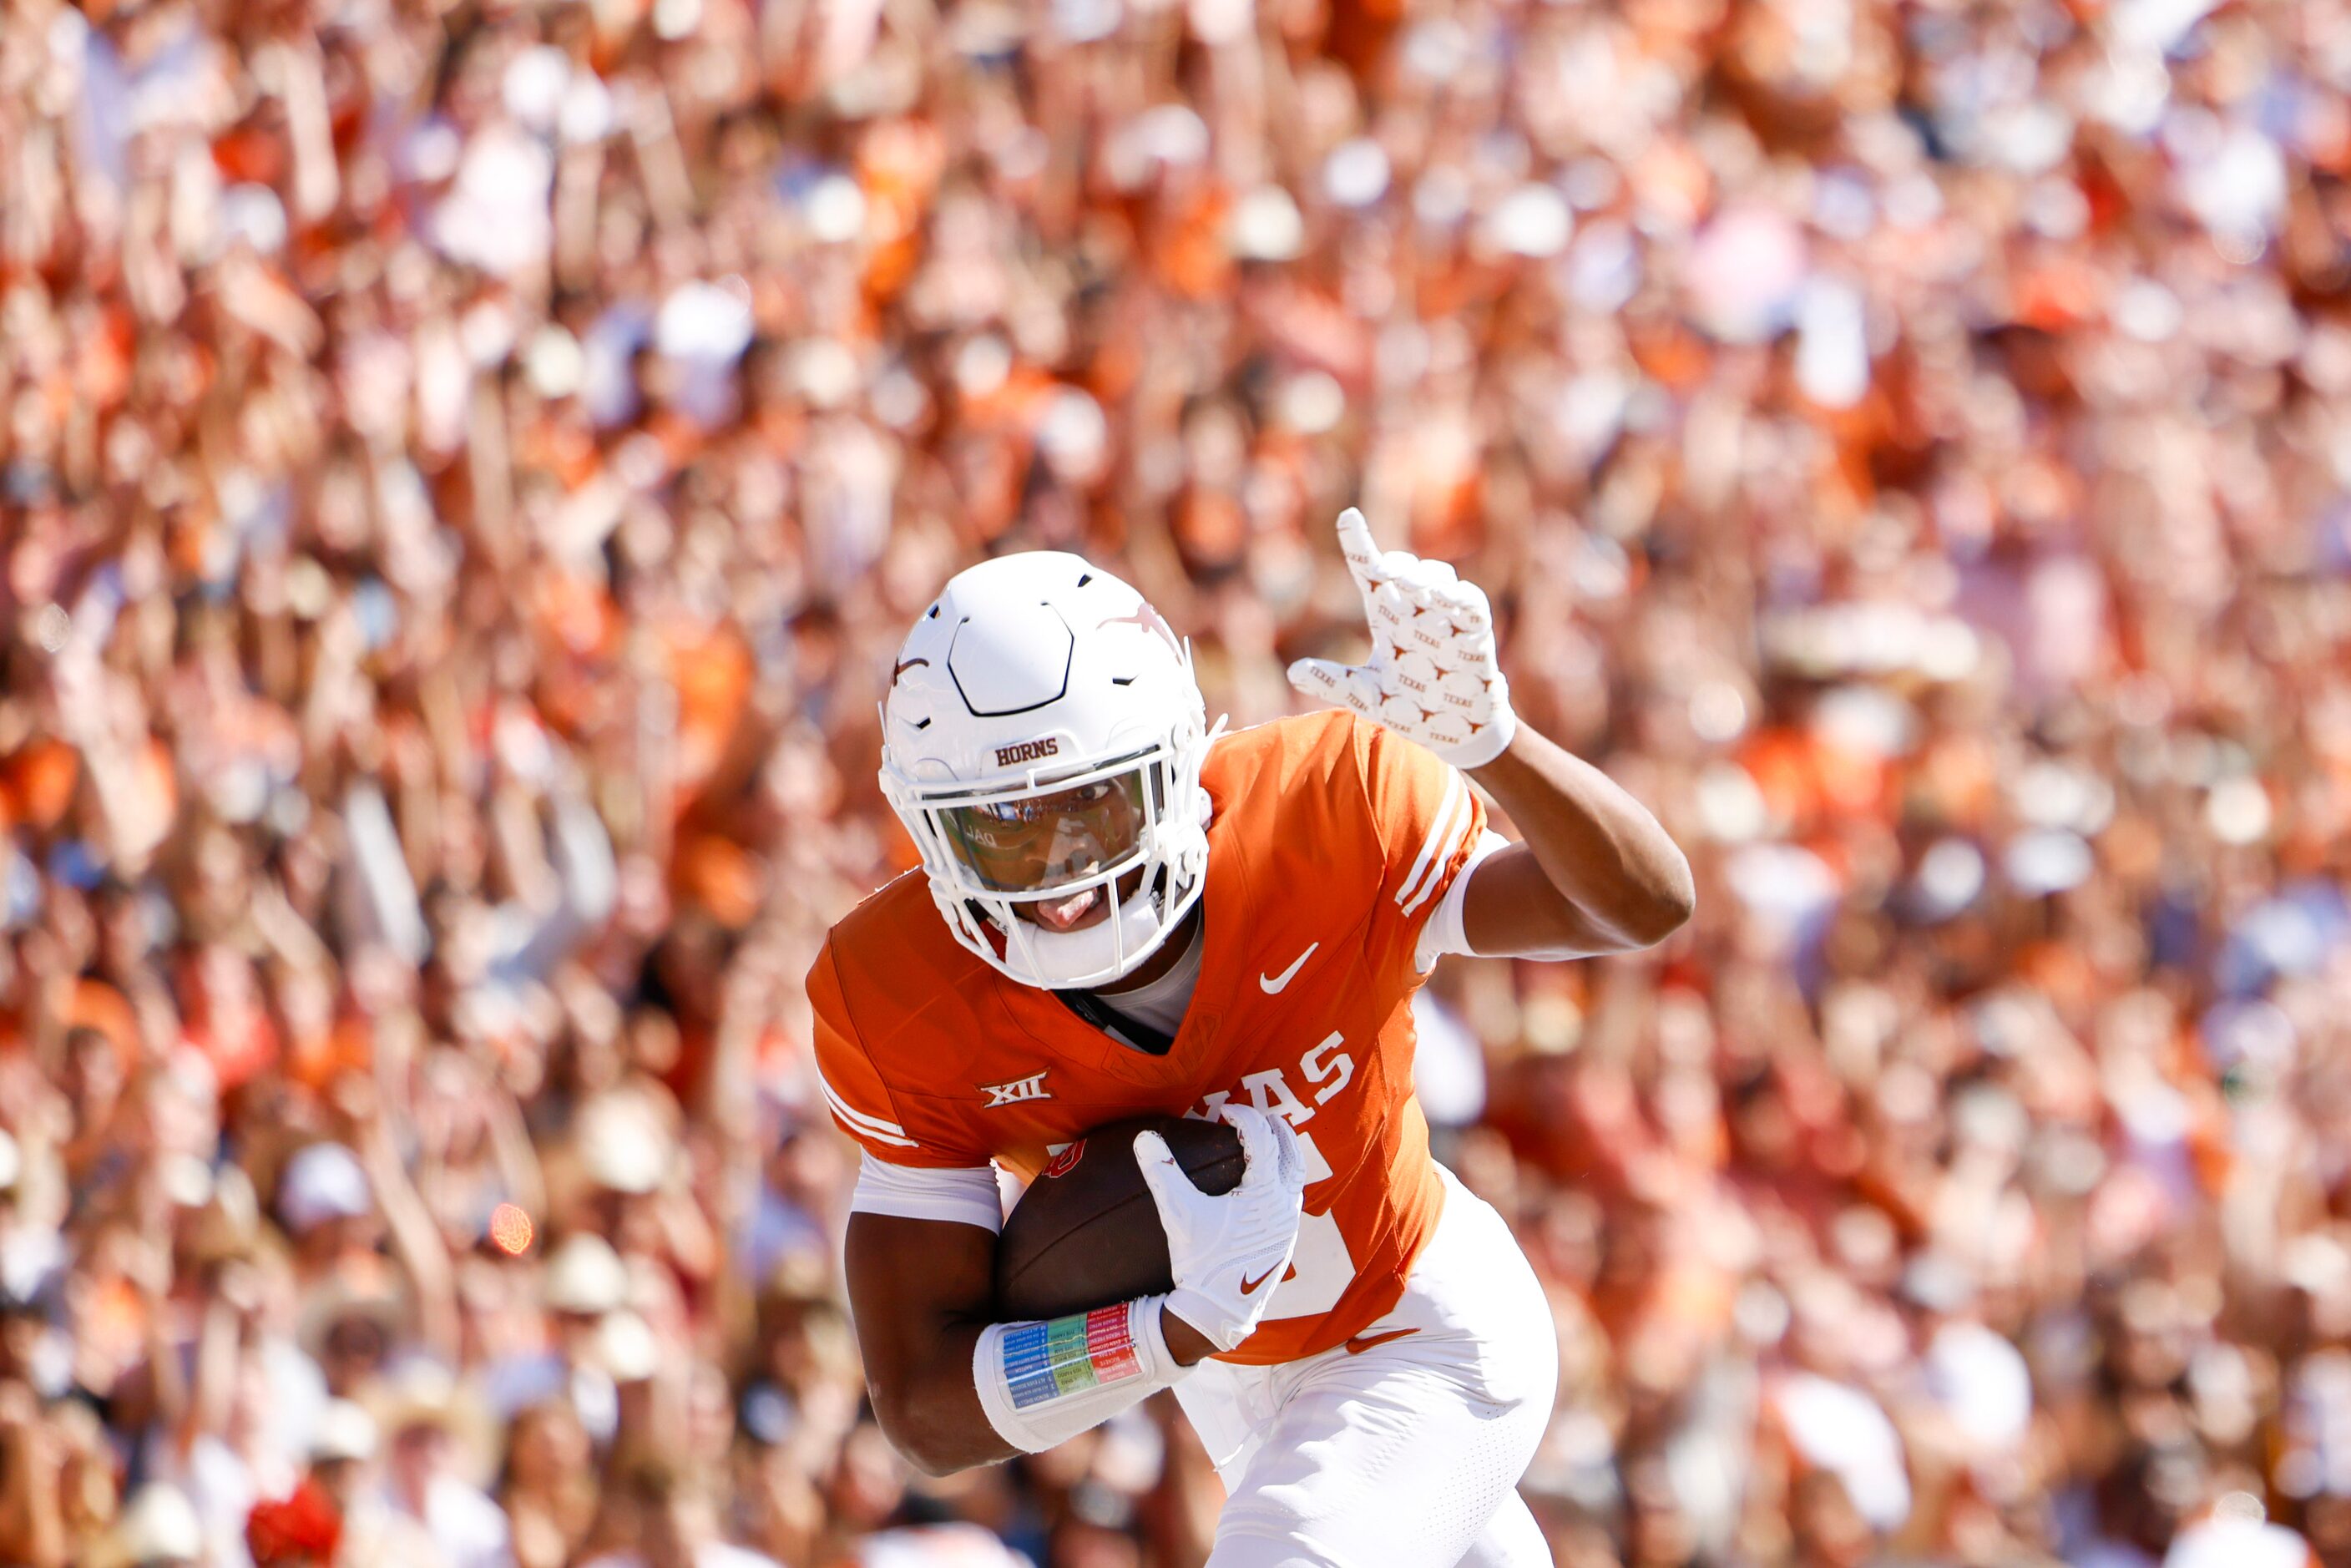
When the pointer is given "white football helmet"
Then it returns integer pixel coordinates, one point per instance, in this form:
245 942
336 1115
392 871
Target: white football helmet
1042 741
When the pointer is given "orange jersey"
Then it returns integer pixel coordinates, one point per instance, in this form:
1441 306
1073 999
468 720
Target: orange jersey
1332 844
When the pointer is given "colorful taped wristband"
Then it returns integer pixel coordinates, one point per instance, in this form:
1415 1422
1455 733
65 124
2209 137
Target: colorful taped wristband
1044 1383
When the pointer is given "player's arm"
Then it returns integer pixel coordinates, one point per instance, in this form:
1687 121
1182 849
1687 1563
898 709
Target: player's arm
1596 874
920 1290
952 1388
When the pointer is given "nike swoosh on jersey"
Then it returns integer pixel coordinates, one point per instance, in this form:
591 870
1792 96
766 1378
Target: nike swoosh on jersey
1273 983
1249 1287
1363 1342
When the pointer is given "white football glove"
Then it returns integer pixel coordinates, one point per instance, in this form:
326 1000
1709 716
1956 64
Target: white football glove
1229 1252
1432 675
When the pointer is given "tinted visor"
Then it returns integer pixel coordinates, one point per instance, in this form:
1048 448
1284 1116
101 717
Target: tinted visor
1043 841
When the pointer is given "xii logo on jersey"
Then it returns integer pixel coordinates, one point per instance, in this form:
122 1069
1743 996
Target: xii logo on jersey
1016 1093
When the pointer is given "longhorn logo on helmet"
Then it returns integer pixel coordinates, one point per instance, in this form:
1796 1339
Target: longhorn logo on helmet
1150 620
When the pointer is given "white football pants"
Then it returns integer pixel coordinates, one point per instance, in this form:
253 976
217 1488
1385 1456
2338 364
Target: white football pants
1406 1452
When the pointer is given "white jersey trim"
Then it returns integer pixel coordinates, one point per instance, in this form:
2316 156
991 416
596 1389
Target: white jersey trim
860 1124
1439 833
966 1195
1454 842
1444 932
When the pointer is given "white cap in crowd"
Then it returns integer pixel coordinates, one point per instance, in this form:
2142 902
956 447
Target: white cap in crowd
324 1181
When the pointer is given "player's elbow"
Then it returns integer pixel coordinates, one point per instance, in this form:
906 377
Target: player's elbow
928 1456
923 1437
1663 908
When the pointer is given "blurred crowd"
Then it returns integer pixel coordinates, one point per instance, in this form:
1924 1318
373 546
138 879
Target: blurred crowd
465 465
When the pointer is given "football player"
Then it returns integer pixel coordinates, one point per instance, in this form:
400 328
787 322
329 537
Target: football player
1122 910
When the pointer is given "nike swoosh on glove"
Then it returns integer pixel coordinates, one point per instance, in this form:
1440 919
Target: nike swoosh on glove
1225 1249
1432 677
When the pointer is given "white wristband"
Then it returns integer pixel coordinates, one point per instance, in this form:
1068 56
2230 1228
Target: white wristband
1489 743
1042 1384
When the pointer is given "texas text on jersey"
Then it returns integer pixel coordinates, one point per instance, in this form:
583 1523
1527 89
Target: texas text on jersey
1331 842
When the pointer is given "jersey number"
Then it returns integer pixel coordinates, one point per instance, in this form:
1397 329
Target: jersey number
1320 1269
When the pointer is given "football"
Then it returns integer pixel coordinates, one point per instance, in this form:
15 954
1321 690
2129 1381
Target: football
1086 1233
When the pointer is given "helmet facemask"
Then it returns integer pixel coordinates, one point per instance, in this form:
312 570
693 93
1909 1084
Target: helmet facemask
1055 835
